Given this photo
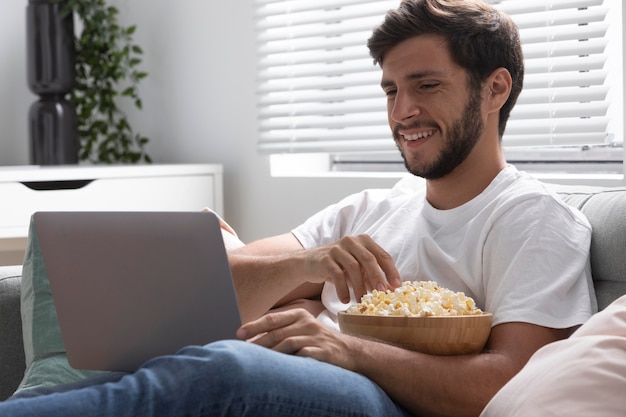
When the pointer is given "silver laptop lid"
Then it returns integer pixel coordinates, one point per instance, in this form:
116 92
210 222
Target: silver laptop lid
129 286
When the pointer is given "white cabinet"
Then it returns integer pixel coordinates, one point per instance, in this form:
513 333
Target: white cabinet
27 189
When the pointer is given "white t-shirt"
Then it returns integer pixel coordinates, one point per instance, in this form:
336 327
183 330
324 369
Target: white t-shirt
516 249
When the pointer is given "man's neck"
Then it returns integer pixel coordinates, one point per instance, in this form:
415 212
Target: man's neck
467 180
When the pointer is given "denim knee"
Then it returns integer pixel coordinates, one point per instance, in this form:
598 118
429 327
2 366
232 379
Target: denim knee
227 355
250 380
232 364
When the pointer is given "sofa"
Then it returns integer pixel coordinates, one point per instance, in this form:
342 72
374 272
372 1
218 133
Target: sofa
605 207
12 359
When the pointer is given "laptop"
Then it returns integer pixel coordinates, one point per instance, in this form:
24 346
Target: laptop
130 286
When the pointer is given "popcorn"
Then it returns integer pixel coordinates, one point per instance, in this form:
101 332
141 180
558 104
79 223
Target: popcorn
415 299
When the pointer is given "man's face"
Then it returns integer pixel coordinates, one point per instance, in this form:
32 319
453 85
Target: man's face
434 119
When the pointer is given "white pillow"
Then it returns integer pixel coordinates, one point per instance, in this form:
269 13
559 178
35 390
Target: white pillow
584 375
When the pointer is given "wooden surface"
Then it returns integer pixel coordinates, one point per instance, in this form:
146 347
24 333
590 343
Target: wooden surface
449 335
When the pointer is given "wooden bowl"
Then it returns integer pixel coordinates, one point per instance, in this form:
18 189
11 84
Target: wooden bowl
435 335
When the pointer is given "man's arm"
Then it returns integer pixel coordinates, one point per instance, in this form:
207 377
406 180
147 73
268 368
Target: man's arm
271 273
453 385
424 384
265 276
278 270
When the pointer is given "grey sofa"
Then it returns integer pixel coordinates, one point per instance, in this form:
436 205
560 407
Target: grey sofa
12 360
604 207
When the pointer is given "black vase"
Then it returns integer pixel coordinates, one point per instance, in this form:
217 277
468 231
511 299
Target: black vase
53 127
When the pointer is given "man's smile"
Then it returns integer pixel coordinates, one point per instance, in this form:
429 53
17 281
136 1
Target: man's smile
418 135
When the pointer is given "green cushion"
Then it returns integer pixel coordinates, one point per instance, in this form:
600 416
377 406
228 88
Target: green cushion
46 362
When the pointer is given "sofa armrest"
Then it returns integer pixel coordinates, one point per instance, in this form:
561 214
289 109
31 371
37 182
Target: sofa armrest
12 362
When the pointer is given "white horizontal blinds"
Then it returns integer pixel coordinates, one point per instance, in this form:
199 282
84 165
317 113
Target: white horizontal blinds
565 96
318 90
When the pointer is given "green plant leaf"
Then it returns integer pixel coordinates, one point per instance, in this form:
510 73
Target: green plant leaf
129 91
106 73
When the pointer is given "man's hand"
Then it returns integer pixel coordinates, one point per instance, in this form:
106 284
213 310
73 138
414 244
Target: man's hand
353 261
275 271
455 385
297 332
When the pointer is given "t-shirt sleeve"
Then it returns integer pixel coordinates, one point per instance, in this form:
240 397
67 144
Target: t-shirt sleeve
338 220
539 272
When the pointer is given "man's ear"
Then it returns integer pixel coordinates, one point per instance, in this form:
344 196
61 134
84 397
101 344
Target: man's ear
497 88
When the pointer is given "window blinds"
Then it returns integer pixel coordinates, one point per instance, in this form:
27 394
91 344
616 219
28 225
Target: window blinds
318 90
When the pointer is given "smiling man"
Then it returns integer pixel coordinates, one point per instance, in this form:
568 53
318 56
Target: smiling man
434 126
438 118
451 72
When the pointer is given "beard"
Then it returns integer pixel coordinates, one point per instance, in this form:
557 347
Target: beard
463 136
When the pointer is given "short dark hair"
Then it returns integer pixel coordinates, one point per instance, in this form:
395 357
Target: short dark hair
479 37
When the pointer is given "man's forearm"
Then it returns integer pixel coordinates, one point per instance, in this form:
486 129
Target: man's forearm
453 385
264 282
265 273
261 282
435 385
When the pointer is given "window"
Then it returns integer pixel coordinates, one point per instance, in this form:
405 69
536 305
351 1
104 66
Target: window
319 91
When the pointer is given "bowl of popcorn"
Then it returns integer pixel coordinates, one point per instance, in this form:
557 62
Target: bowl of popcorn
420 316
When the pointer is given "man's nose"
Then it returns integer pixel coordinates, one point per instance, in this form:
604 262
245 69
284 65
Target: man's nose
405 106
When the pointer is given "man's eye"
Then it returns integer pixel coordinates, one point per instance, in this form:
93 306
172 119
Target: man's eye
429 86
390 93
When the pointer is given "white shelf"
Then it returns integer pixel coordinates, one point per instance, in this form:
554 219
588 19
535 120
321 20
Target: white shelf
78 172
27 189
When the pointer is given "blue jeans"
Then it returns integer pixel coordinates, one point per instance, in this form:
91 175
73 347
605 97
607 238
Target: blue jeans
228 378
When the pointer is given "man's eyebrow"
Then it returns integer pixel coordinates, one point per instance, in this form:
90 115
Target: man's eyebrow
412 77
387 84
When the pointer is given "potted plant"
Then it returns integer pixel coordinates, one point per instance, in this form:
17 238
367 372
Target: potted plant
107 71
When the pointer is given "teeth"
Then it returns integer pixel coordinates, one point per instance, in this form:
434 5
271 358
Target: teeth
419 135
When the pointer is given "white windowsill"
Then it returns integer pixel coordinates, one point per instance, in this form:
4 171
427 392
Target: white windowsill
318 166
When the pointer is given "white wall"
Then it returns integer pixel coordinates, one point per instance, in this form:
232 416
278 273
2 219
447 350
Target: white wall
199 106
15 98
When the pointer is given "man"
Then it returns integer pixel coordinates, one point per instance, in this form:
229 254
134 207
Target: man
451 72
